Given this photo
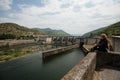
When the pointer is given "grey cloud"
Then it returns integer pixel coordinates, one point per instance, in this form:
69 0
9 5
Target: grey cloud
51 13
77 8
116 1
5 4
98 15
89 4
65 5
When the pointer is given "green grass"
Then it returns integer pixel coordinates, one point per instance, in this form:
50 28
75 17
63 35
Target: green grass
11 54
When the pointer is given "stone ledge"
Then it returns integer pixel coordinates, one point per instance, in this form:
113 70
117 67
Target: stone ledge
58 50
83 70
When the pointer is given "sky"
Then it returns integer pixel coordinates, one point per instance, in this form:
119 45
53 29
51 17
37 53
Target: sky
72 16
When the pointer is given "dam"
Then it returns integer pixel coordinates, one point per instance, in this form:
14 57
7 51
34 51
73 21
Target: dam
66 63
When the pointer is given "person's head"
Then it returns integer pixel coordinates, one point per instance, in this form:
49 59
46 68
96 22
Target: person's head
103 36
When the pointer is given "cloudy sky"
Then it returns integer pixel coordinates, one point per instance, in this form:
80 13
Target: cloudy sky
72 16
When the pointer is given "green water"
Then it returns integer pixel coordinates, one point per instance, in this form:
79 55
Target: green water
34 68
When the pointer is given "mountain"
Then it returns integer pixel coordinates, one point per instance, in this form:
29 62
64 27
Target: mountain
16 31
113 29
12 31
94 32
52 32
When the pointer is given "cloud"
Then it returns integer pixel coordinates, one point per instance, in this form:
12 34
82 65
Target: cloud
73 16
5 4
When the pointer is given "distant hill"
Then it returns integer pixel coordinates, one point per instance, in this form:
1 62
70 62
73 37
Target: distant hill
113 29
52 32
17 30
12 30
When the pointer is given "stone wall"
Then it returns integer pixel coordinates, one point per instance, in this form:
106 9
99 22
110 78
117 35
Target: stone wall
83 70
111 59
57 51
116 43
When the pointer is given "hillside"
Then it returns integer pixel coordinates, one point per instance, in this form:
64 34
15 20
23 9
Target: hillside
113 29
52 32
12 31
16 31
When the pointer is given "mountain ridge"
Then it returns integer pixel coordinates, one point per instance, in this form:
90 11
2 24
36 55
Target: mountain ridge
53 32
113 29
17 31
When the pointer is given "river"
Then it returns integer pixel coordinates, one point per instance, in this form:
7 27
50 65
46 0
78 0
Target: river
32 67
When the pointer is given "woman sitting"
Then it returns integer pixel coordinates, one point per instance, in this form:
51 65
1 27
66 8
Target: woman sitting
103 44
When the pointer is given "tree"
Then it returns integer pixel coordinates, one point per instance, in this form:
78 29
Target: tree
7 36
91 35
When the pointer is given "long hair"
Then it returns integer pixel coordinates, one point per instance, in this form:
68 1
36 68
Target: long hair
108 40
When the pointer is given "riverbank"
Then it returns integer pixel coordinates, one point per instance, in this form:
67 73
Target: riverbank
20 48
11 55
17 53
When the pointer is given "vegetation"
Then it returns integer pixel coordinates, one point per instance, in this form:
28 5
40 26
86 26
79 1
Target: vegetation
113 29
51 32
7 36
12 31
11 54
15 31
7 54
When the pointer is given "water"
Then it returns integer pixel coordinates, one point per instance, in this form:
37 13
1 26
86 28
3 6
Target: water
34 68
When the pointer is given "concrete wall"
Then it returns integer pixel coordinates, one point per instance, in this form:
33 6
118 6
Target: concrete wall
48 40
58 50
116 43
89 41
111 59
83 70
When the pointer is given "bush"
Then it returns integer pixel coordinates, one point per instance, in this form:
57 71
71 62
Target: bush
7 36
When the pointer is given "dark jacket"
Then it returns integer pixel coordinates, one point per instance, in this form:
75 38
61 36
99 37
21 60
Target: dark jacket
102 45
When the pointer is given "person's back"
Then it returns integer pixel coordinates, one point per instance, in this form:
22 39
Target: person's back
103 44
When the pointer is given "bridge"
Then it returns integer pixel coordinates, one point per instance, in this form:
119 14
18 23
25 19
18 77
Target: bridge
68 62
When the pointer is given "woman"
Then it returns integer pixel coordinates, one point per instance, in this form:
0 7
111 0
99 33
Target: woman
103 44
